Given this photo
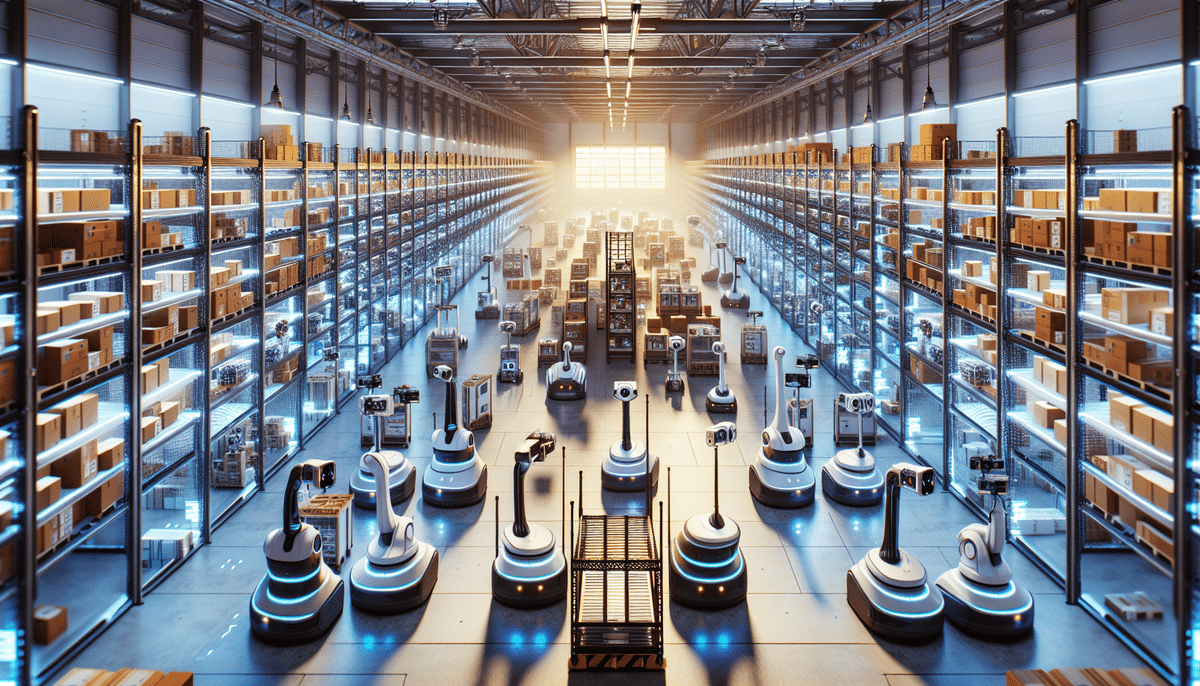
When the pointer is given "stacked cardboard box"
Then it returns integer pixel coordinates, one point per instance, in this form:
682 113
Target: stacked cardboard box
172 143
227 228
816 151
278 143
88 140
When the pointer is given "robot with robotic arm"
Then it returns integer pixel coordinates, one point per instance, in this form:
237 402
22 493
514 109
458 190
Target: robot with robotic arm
780 476
402 474
300 598
720 399
851 477
456 477
674 379
981 597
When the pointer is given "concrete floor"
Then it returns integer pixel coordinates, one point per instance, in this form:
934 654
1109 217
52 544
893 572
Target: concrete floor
794 628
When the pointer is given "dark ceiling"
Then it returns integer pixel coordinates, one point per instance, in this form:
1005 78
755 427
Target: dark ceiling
692 58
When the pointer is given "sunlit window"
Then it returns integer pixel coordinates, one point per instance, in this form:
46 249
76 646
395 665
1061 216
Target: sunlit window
621 167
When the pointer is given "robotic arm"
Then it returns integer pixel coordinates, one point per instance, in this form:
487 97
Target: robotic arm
535 448
718 349
321 473
566 349
389 522
913 477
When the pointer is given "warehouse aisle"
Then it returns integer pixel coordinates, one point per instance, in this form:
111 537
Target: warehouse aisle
795 628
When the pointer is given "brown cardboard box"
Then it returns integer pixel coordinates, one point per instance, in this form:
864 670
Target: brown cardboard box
77 466
110 452
62 361
80 676
176 679
1154 537
1144 418
1120 411
1055 297
1054 376
189 317
1044 414
1051 325
134 677
153 335
49 622
69 311
107 302
1101 495
1162 489
149 378
169 412
1164 432
1112 199
166 317
109 492
152 290
151 427
101 340
1121 350
1038 280
1157 372
1162 321
49 490
1132 305
49 431
48 320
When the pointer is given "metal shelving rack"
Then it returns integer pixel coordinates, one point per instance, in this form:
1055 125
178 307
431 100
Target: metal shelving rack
1095 554
619 311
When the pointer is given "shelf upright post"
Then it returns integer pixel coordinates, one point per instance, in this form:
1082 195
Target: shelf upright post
25 249
133 475
1003 194
1183 397
301 432
947 150
260 295
1073 480
872 320
205 320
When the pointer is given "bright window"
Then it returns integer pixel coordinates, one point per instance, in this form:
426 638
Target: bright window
625 167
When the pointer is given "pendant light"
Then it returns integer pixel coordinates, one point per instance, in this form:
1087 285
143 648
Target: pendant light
370 116
345 97
867 116
276 101
929 101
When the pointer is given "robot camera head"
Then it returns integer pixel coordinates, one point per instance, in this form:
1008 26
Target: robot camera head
718 348
537 446
739 261
443 372
995 484
721 434
321 473
376 406
915 477
693 220
857 403
372 381
507 326
403 395
676 343
816 307
566 346
808 361
625 390
779 352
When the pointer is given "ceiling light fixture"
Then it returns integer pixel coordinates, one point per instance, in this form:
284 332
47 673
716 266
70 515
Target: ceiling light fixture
441 18
608 85
276 101
630 65
628 88
929 101
604 8
345 100
604 31
607 65
867 116
635 15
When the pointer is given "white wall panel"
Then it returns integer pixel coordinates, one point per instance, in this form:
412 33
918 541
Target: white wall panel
1046 54
683 140
979 120
652 134
318 130
347 134
67 101
1110 107
232 121
317 92
162 110
161 54
587 133
890 130
891 97
226 71
1128 34
73 33
981 71
1044 113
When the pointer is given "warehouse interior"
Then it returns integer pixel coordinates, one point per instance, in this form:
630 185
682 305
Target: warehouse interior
825 340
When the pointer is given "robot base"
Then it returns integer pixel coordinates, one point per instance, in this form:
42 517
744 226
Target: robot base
710 276
525 593
707 596
449 496
566 389
675 385
856 489
905 615
790 498
992 613
291 623
362 487
737 300
721 408
628 476
488 312
391 590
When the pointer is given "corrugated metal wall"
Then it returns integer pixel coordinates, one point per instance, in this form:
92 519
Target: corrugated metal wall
981 72
1128 34
73 33
161 54
226 71
1046 54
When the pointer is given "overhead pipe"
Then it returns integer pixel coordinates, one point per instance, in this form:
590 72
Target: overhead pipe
649 25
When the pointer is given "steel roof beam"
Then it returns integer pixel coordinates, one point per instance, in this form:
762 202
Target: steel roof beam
649 26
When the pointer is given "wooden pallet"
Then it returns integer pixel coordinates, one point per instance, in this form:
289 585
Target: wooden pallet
1133 606
1165 393
1131 266
229 317
1030 337
1042 249
159 251
754 359
621 661
45 391
151 349
78 264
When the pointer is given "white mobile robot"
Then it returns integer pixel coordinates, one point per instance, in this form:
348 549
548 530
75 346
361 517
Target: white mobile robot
488 306
456 477
780 476
851 477
510 356
674 378
300 597
723 277
981 597
402 474
530 570
888 588
707 568
720 399
735 296
625 468
566 380
399 572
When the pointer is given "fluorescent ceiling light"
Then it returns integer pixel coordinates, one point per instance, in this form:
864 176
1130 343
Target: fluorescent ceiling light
76 74
974 103
1043 91
169 91
630 64
604 31
635 13
628 88
607 65
246 105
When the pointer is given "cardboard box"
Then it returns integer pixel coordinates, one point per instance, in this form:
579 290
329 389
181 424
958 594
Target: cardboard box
168 412
1120 411
100 499
1121 350
77 466
1154 537
110 452
80 676
1045 414
62 361
1162 320
101 341
153 335
1050 325
166 317
134 677
1132 305
1038 280
152 290
49 622
105 302
149 378
49 431
151 427
49 490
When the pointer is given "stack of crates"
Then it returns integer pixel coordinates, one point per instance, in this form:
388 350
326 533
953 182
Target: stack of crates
330 514
477 402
